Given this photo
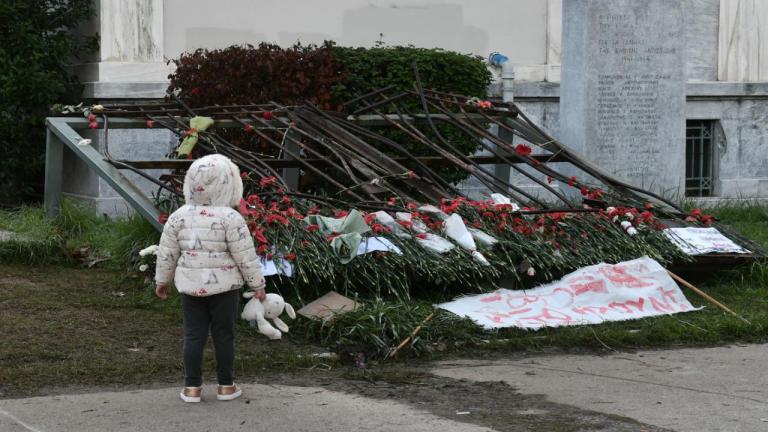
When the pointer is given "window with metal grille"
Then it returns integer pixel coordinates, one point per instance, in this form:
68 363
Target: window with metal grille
699 158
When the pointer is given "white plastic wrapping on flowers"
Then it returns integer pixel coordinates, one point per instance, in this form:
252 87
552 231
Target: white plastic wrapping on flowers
504 200
435 243
418 225
429 208
388 221
482 237
377 244
270 267
454 228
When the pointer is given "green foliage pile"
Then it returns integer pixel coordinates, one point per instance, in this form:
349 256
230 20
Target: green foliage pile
36 47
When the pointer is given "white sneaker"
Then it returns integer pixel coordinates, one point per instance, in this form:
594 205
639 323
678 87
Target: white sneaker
226 393
191 394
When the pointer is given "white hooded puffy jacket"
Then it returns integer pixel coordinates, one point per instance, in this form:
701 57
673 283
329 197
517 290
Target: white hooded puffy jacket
206 247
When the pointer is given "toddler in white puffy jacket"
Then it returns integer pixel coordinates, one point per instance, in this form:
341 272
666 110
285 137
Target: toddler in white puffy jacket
207 251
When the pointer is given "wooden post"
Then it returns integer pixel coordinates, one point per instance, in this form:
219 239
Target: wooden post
706 296
410 337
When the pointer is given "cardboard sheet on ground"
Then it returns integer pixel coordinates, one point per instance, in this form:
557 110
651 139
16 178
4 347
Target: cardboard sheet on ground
328 306
700 241
629 290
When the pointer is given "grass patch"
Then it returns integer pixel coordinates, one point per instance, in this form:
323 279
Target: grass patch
30 238
66 326
78 234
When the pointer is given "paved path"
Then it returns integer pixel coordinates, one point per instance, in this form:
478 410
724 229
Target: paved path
698 390
721 389
276 408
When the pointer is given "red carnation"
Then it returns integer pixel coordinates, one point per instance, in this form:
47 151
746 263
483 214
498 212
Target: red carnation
243 207
572 181
405 224
707 219
259 234
421 236
696 212
379 228
162 218
290 256
549 179
266 181
646 216
648 205
91 118
267 115
523 150
248 127
243 175
93 125
341 213
313 228
150 124
392 201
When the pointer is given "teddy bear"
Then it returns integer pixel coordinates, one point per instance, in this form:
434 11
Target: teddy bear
270 308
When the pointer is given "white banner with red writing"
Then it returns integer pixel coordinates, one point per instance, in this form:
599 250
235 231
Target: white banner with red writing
604 292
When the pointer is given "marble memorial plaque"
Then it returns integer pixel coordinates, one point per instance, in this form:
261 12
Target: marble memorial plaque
623 89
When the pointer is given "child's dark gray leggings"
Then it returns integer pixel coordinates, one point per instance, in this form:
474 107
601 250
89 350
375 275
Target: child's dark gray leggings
216 313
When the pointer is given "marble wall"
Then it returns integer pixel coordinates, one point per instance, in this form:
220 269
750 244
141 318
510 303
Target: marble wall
743 41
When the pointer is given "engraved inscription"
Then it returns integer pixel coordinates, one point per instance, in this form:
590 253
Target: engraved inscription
629 89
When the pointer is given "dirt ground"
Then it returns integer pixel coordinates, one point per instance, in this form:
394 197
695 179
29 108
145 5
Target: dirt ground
495 405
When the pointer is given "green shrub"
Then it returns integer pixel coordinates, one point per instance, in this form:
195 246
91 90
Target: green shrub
368 69
36 49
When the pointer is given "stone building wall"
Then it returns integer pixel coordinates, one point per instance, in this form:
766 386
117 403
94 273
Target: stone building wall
726 66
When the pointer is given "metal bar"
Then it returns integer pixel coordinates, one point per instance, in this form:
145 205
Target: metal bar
54 158
110 174
291 174
362 120
293 163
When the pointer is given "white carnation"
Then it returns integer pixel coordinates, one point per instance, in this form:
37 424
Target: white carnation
610 209
143 267
629 216
531 271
